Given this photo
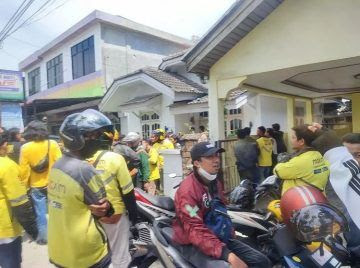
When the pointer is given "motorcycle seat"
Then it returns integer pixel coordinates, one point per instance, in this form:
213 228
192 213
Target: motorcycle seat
168 234
164 202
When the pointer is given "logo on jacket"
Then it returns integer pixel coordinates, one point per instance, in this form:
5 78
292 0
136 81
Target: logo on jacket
192 211
205 200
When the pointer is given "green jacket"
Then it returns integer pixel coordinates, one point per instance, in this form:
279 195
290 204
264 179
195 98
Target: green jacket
144 164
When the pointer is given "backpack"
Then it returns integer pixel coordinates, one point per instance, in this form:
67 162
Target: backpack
218 221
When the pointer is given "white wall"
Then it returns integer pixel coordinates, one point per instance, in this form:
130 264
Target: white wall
273 110
65 50
167 119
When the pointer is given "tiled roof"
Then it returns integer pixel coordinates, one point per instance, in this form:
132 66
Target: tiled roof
203 99
143 98
176 82
236 93
175 55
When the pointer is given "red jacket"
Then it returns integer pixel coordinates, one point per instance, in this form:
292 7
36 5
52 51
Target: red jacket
191 204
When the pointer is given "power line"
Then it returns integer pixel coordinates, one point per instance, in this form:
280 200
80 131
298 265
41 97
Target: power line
12 17
13 20
29 18
51 11
25 42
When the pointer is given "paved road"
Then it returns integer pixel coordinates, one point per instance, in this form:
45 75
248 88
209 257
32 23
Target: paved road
35 256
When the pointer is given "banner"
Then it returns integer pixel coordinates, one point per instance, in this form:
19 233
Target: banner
11 85
11 116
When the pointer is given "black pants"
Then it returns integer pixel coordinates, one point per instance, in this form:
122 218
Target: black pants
250 256
10 254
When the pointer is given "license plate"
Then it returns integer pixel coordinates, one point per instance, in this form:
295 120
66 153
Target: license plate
326 259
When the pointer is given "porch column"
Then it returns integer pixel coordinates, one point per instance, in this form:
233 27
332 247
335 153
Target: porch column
290 104
355 98
218 92
308 112
216 113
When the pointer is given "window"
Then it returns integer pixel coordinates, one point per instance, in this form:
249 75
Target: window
155 126
145 117
204 114
145 131
149 121
34 81
234 125
235 111
54 71
83 58
155 116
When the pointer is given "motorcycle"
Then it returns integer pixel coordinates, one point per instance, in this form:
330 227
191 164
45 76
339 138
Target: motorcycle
276 239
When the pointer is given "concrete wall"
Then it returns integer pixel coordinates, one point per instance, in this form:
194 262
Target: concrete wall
296 33
65 50
126 51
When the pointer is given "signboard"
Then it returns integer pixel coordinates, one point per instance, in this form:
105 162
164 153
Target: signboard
11 115
11 85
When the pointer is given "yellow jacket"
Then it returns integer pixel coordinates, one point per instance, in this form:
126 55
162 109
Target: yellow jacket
265 148
114 174
154 164
30 155
309 168
158 146
12 194
75 236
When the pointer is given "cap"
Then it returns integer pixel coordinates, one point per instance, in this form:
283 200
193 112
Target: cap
132 136
204 149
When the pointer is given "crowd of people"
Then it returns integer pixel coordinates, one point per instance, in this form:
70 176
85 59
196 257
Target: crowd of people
86 186
309 164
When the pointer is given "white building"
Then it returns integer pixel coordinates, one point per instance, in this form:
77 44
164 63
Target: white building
74 71
172 98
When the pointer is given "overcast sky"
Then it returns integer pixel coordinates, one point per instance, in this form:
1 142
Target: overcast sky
180 17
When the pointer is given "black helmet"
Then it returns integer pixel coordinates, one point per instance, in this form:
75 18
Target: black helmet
243 194
317 221
76 125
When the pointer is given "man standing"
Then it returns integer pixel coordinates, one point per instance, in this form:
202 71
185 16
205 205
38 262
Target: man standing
199 195
279 137
265 156
15 211
120 192
77 196
246 153
36 159
154 178
133 141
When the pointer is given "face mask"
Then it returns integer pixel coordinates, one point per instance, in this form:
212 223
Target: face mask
206 175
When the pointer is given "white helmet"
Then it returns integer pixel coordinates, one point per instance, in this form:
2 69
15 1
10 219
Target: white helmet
132 137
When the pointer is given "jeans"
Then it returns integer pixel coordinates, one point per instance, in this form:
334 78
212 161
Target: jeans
250 256
251 174
39 199
264 172
10 254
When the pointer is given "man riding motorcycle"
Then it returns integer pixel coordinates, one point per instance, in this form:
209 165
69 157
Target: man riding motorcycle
197 202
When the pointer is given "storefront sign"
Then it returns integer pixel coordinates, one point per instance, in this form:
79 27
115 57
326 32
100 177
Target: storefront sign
11 85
